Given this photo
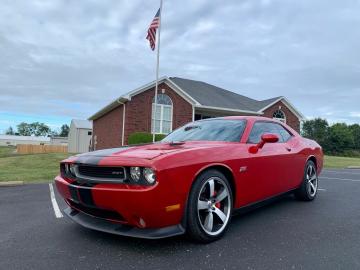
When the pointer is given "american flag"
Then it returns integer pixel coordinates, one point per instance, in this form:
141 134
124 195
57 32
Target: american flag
151 34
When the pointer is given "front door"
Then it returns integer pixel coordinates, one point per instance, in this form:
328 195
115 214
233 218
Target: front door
268 170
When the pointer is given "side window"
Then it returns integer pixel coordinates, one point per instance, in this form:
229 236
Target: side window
260 128
284 133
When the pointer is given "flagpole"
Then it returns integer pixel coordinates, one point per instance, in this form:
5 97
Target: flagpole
157 69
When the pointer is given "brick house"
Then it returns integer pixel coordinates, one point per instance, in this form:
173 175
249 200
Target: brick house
179 101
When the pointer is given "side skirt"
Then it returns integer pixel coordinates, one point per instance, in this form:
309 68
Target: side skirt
253 206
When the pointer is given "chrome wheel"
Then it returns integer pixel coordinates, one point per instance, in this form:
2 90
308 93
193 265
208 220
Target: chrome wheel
214 206
312 180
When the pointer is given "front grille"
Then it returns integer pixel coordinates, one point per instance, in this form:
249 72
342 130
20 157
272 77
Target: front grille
101 172
97 212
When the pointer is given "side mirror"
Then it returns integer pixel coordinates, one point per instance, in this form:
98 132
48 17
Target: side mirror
265 138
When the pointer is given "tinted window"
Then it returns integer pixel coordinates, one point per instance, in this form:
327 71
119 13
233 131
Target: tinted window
209 130
260 128
284 133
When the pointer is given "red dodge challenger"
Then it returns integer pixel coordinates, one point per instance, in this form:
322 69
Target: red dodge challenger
192 181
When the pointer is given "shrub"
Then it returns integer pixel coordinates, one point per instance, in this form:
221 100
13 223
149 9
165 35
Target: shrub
143 137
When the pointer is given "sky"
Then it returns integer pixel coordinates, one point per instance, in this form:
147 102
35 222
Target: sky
63 59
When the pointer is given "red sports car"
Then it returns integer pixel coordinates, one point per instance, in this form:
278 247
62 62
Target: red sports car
192 181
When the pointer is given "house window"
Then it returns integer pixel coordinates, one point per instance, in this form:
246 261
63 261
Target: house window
163 115
279 115
201 116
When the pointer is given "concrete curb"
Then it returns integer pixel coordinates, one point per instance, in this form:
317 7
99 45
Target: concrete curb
353 167
11 183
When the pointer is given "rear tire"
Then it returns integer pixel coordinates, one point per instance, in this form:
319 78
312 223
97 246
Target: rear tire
210 207
308 189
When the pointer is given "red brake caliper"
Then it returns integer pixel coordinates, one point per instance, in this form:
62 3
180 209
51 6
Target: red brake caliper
218 204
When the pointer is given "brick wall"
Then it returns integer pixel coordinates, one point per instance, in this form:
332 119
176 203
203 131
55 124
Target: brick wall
108 129
291 118
138 110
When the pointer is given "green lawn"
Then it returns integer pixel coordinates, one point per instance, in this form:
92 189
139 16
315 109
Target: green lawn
340 162
6 151
28 168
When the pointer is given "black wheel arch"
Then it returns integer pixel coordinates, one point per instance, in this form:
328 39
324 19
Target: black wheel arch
313 159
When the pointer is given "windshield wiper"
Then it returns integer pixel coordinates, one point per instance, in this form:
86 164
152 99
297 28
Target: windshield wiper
191 127
176 143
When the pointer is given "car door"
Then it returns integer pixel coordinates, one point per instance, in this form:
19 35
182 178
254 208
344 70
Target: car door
293 164
267 170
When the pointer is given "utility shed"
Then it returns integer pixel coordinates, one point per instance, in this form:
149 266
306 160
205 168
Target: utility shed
79 136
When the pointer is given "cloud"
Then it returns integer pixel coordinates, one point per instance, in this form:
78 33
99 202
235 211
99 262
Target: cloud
69 58
355 114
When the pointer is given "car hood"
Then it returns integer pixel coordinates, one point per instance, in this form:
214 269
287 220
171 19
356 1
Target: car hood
150 151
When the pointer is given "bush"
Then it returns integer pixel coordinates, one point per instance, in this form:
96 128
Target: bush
144 137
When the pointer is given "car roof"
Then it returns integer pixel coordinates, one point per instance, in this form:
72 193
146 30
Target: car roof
253 119
247 117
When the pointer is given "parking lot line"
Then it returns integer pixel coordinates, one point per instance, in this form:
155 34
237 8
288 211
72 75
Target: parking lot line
339 179
55 205
342 172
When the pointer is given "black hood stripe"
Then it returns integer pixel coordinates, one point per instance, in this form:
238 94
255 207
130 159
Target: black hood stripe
93 158
74 194
86 196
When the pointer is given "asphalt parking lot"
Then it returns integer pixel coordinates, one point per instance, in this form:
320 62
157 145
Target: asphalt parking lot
287 234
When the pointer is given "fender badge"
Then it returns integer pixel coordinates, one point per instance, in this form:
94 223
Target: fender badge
243 169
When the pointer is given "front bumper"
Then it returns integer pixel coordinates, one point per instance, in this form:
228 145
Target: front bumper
140 211
121 229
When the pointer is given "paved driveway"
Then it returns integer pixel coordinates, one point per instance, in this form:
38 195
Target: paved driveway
324 234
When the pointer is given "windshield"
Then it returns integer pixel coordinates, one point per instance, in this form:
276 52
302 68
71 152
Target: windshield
209 130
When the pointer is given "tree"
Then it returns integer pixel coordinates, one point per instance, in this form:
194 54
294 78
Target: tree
24 129
10 131
336 139
35 129
316 129
64 131
40 129
341 138
355 130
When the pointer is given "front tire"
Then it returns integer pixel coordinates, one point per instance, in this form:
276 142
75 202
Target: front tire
308 189
210 207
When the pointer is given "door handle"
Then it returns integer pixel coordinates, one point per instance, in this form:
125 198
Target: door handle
288 149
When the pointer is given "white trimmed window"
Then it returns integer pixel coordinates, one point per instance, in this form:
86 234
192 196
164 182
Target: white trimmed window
163 115
279 115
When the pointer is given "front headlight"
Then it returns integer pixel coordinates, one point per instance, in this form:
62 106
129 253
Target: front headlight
149 175
72 169
67 170
135 173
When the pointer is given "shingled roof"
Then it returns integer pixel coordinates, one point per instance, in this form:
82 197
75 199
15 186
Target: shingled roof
213 96
203 95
